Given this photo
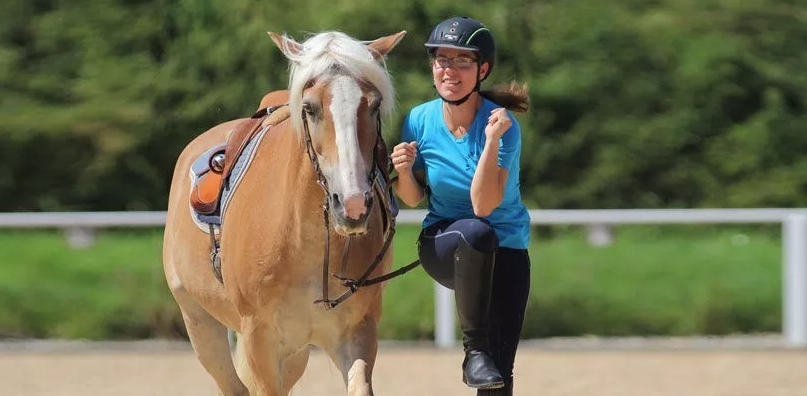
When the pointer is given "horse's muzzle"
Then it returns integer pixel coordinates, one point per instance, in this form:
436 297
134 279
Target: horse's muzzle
351 214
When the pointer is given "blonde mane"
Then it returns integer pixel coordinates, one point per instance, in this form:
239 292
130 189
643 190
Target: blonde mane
333 53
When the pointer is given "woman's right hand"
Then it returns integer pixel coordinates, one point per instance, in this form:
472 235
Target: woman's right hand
403 156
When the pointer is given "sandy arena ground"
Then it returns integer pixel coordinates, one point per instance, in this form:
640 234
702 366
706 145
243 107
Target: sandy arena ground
424 371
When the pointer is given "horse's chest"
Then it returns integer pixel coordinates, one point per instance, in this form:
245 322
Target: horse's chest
298 316
290 282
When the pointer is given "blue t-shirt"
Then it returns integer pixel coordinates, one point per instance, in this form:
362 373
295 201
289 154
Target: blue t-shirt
450 164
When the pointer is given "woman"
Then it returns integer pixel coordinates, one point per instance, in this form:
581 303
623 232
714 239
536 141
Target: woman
463 151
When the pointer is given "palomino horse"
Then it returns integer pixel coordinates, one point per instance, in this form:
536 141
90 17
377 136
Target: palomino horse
271 237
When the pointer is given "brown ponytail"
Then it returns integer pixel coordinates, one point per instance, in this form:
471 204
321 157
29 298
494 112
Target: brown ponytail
511 96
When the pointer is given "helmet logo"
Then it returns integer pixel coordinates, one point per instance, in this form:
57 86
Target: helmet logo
452 37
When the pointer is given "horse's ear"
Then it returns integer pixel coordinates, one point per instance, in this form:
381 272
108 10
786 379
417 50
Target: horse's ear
380 47
287 45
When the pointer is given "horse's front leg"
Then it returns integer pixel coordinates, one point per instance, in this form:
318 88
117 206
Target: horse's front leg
260 351
355 358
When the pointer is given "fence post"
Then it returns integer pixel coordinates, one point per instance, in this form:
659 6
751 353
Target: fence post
600 234
794 282
79 237
444 319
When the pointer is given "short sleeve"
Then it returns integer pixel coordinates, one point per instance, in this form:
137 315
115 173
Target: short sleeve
510 145
412 131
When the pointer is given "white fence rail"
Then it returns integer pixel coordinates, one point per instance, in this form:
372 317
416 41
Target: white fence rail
80 230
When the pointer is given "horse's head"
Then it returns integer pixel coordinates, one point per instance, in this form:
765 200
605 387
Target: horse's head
339 89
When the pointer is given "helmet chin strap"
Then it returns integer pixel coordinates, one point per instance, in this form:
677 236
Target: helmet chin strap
460 100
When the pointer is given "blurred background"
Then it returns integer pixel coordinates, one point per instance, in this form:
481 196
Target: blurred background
655 104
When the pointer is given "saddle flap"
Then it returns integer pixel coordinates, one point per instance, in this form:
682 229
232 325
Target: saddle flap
205 194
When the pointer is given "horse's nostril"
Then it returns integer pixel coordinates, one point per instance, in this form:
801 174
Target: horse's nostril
335 198
354 206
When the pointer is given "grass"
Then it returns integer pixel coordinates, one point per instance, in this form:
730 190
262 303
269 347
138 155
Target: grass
651 281
706 282
116 287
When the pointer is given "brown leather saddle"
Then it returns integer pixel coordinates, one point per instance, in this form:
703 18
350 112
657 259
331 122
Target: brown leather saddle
206 193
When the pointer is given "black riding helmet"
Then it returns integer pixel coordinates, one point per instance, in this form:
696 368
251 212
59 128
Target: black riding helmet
467 34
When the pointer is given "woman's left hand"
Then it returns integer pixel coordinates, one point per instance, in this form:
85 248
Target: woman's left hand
498 123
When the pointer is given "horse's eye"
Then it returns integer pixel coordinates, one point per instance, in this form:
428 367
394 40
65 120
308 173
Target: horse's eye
308 109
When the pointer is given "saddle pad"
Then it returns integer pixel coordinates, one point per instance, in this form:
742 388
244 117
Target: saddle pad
239 168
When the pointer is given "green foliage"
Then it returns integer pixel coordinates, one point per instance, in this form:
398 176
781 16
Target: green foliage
636 103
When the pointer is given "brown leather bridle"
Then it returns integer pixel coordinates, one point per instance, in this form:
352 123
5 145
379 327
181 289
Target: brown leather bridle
382 188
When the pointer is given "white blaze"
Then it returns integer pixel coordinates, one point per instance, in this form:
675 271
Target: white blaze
350 173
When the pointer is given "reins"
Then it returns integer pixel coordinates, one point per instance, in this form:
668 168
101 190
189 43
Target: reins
384 193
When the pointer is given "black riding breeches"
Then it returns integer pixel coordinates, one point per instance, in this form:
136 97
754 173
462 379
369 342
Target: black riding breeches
437 245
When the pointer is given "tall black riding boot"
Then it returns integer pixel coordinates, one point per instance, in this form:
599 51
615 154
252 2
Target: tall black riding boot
473 276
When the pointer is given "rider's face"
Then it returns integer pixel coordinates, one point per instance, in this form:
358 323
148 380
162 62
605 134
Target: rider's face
455 72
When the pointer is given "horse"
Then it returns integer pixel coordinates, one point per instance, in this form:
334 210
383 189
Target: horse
271 243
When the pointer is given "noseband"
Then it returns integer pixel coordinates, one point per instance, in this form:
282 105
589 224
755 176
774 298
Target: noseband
383 190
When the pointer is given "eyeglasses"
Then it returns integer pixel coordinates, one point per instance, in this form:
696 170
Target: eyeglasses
459 63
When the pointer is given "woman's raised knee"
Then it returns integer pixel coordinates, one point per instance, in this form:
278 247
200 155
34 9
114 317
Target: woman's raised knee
478 234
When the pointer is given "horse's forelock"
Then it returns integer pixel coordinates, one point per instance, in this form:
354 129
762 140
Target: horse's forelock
331 53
